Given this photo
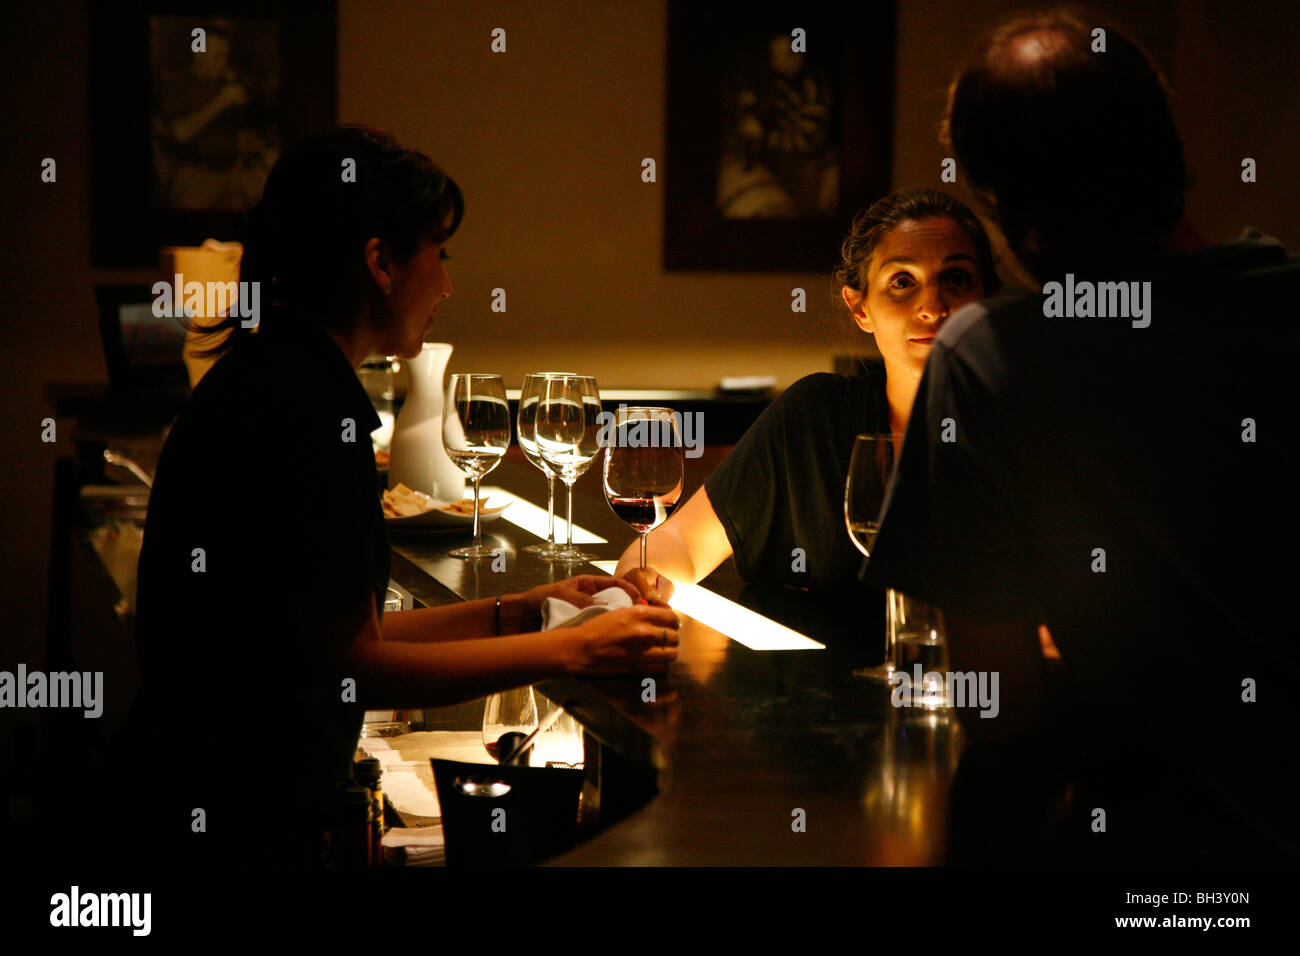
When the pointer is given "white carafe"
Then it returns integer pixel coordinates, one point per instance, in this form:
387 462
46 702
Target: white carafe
417 458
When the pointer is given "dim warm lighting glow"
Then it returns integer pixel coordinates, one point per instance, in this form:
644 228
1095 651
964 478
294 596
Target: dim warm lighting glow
526 515
727 617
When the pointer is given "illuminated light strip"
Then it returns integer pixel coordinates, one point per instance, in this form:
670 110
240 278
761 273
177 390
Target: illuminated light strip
526 515
729 618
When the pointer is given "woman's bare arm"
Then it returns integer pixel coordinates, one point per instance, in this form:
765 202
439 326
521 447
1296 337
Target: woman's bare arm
685 548
458 622
430 673
519 612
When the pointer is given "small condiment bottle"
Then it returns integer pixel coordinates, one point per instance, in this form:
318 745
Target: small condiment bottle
350 827
369 774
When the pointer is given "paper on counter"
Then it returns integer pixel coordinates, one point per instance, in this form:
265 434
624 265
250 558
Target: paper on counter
414 836
415 846
407 774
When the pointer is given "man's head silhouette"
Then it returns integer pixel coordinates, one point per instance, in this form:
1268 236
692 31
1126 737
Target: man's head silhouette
1063 128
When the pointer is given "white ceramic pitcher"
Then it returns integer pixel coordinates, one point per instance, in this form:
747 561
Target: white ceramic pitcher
417 458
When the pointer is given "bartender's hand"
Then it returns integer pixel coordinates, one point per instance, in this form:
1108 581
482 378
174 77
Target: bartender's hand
632 640
651 585
577 591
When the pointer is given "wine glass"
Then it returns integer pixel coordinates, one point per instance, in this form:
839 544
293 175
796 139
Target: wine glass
529 396
561 743
643 468
567 429
510 712
476 434
870 468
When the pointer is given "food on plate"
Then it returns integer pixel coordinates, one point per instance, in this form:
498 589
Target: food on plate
403 502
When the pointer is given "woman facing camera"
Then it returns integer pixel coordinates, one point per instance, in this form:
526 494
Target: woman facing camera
266 558
910 260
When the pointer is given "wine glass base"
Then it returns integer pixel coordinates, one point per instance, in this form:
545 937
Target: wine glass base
570 556
473 552
547 551
884 673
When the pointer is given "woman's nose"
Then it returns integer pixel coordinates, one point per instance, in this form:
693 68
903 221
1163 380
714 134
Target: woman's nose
933 306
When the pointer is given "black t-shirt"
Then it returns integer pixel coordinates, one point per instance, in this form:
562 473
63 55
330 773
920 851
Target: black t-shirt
269 471
782 487
1134 489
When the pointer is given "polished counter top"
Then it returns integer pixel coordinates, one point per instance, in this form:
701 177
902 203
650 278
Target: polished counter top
771 757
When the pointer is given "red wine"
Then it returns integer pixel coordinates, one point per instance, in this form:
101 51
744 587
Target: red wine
644 513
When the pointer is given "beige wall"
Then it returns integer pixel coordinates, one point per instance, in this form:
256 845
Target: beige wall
1236 85
547 141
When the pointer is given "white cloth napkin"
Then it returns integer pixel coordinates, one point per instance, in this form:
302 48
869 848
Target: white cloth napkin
560 613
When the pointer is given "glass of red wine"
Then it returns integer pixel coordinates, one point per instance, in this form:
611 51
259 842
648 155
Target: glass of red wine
511 713
643 467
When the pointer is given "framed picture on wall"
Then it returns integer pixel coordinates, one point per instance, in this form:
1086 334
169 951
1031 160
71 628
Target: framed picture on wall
779 128
190 109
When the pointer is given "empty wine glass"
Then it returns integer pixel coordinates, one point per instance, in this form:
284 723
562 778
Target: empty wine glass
643 467
561 743
476 434
870 468
529 395
567 429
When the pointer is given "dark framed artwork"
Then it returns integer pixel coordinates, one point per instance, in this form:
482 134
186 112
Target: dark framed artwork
775 138
184 137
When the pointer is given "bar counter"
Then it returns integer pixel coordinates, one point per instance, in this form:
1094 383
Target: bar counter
758 757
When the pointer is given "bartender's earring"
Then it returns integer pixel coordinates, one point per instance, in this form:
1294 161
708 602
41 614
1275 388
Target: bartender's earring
388 289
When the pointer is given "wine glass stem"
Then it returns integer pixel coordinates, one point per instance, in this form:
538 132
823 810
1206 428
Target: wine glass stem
550 510
569 544
643 537
478 533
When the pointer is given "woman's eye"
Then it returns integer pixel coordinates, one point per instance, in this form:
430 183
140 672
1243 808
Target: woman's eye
900 281
960 278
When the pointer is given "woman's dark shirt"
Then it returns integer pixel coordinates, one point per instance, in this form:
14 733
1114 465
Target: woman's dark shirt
782 487
269 470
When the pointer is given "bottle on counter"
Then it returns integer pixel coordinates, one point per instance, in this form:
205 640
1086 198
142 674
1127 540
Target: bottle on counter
369 774
350 830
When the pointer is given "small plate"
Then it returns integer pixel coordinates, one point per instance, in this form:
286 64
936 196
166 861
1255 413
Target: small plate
440 520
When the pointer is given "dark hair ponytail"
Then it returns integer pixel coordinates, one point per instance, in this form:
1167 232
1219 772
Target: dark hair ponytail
324 199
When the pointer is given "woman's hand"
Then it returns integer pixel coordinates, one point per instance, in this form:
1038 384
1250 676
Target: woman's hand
651 585
636 640
577 591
